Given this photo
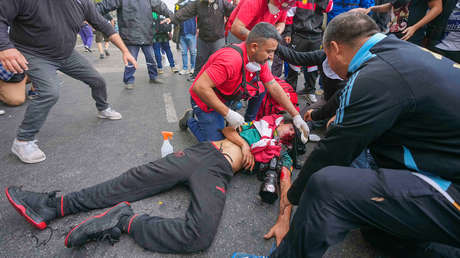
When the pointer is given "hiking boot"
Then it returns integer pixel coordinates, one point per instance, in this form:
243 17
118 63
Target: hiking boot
107 52
28 151
38 208
107 225
183 121
109 113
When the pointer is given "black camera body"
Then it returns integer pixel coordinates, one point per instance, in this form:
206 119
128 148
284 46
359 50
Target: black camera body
269 174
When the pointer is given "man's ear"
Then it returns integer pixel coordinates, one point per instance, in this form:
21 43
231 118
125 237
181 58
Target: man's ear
253 47
335 48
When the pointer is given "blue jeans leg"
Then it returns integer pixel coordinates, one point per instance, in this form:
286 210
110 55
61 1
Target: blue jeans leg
183 47
151 64
157 51
364 160
128 76
191 44
253 107
206 126
165 46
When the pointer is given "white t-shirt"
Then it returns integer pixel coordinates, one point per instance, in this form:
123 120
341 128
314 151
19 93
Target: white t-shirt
451 40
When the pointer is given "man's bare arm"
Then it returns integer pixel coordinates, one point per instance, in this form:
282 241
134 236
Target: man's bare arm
204 89
281 227
239 30
118 42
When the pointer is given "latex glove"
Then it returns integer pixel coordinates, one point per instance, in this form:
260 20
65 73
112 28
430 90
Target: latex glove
234 119
303 127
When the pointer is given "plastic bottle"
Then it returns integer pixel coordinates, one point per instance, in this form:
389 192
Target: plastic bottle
166 148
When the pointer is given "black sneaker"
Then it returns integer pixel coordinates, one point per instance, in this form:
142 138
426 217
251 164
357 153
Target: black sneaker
183 121
38 208
101 56
106 225
107 52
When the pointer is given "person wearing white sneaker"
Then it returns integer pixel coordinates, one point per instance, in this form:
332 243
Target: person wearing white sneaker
19 52
182 72
28 151
109 113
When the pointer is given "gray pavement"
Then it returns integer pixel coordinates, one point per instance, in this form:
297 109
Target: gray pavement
83 150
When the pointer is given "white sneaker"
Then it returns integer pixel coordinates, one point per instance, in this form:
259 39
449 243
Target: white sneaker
192 71
312 98
182 72
160 71
28 151
109 113
2 112
174 69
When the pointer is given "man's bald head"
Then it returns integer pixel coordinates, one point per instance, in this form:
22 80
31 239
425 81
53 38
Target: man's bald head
348 28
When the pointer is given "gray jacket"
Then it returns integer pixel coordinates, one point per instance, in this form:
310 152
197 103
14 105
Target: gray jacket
135 21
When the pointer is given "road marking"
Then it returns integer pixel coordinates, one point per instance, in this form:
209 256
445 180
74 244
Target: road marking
171 115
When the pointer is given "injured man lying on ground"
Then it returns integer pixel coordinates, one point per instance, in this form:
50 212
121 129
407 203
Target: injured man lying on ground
205 168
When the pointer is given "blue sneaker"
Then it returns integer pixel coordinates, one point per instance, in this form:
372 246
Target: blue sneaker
243 255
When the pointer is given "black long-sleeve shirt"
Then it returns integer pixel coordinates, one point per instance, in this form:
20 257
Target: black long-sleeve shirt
401 102
47 28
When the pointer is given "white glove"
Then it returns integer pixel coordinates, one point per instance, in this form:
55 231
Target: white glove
303 127
234 119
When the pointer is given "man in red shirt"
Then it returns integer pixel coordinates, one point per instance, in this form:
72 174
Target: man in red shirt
250 12
233 73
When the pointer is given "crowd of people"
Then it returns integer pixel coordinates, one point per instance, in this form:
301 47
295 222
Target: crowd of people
381 78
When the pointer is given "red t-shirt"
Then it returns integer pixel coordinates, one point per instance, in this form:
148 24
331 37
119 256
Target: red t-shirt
251 12
224 69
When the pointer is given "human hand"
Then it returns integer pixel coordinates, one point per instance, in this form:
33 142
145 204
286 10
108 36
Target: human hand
302 126
408 32
248 158
234 119
287 39
279 231
13 61
167 21
128 58
307 116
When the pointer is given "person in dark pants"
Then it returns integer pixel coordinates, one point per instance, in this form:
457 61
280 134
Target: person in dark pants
136 26
211 25
400 102
42 44
305 34
205 168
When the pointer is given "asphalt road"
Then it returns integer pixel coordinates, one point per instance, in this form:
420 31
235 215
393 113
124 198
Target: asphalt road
83 150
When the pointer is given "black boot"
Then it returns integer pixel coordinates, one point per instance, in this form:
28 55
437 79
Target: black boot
38 208
105 226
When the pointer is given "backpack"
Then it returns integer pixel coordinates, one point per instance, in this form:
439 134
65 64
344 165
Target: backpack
269 106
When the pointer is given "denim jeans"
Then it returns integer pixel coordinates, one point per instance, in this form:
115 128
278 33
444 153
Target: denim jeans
158 47
42 73
364 160
206 126
188 42
128 76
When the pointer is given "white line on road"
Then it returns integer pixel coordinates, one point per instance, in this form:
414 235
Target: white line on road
171 115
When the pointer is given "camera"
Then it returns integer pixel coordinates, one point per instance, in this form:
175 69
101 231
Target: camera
269 175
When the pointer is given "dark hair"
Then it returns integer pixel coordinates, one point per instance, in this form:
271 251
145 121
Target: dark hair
261 32
347 27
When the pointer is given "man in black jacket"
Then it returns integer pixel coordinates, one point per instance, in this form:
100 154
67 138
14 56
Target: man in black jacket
211 24
41 44
400 102
135 23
